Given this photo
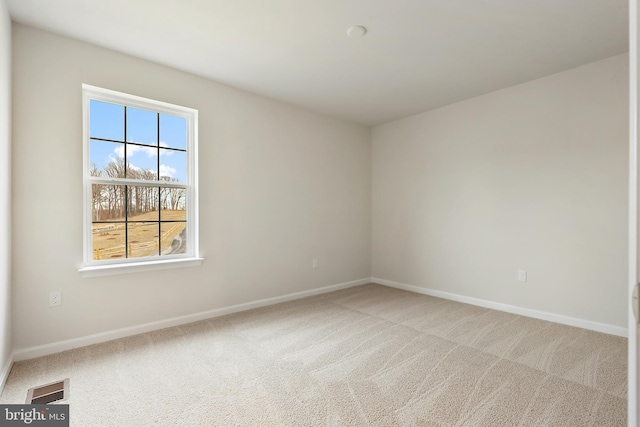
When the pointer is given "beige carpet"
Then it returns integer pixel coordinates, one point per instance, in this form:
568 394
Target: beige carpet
369 355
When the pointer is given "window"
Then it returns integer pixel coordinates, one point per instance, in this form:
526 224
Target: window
140 183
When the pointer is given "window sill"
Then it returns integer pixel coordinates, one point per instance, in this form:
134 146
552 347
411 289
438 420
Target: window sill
135 267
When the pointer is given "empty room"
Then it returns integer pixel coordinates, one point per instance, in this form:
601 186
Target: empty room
296 212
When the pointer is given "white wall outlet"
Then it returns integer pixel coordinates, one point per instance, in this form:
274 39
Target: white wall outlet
314 263
55 298
522 275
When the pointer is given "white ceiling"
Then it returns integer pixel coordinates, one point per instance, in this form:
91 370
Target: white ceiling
417 54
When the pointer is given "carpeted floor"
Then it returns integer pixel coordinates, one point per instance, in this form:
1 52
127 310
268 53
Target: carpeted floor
369 355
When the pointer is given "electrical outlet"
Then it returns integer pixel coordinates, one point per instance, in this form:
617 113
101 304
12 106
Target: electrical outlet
522 275
314 264
55 298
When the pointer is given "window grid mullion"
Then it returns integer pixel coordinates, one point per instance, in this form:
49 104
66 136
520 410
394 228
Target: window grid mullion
159 188
135 182
139 144
164 221
126 191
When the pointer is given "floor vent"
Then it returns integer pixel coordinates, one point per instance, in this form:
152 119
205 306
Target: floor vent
48 393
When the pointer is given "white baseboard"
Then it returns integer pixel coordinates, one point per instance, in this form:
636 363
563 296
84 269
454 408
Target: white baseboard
6 370
56 347
552 317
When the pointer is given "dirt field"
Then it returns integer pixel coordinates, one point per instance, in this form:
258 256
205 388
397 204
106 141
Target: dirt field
109 238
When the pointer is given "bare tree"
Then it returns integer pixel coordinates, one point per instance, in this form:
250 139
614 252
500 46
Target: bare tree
109 200
96 194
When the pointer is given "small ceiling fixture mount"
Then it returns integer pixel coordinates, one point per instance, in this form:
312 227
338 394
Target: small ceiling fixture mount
356 31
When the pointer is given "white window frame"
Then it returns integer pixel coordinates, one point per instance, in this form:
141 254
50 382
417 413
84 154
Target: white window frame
90 267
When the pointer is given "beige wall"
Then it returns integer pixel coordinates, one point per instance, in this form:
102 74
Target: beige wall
532 177
5 186
279 186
